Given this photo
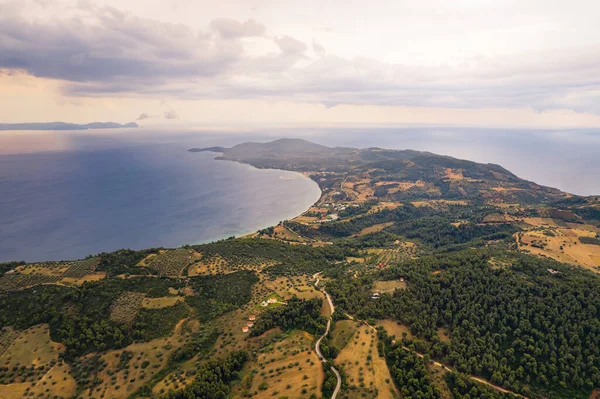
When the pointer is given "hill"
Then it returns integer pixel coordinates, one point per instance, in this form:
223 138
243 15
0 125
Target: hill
414 275
66 126
451 177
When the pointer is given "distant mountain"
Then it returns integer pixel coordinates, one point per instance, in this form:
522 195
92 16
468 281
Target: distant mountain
445 175
65 126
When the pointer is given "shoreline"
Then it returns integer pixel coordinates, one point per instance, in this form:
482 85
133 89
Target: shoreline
238 234
298 175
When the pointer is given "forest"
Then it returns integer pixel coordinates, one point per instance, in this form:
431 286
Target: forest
520 327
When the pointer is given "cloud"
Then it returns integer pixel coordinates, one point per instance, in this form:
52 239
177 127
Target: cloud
318 48
291 46
103 44
230 28
170 114
101 51
143 116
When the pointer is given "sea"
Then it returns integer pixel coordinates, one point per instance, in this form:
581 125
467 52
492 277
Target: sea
68 194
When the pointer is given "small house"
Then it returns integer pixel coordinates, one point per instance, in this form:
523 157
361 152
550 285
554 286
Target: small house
250 325
251 317
272 300
375 295
245 329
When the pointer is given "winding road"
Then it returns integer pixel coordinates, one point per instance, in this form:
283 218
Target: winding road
438 364
318 343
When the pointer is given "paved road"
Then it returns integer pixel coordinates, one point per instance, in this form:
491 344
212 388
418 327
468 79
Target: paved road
318 343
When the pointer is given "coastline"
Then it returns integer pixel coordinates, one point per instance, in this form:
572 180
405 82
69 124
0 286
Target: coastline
297 175
271 200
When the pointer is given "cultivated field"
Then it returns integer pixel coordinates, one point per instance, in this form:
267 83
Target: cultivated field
127 369
367 372
287 367
562 244
46 375
124 308
171 263
299 286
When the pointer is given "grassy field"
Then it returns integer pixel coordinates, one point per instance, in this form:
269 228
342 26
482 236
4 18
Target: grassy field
374 229
393 328
343 332
31 347
367 373
389 286
159 303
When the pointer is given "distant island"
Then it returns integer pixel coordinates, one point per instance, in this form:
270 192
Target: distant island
66 126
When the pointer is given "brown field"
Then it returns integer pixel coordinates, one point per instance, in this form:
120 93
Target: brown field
208 266
563 247
343 332
288 368
31 347
124 308
133 375
287 287
285 234
454 174
374 229
159 303
353 259
438 203
443 334
45 269
7 336
14 390
540 222
49 376
595 394
389 286
393 328
366 371
58 381
360 191
494 218
384 205
146 261
97 276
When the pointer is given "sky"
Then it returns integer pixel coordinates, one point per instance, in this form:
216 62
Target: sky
252 63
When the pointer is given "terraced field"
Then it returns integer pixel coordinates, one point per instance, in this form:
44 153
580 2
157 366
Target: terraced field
171 263
124 308
81 268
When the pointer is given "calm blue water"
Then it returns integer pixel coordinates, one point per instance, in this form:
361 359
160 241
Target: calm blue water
65 205
65 195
